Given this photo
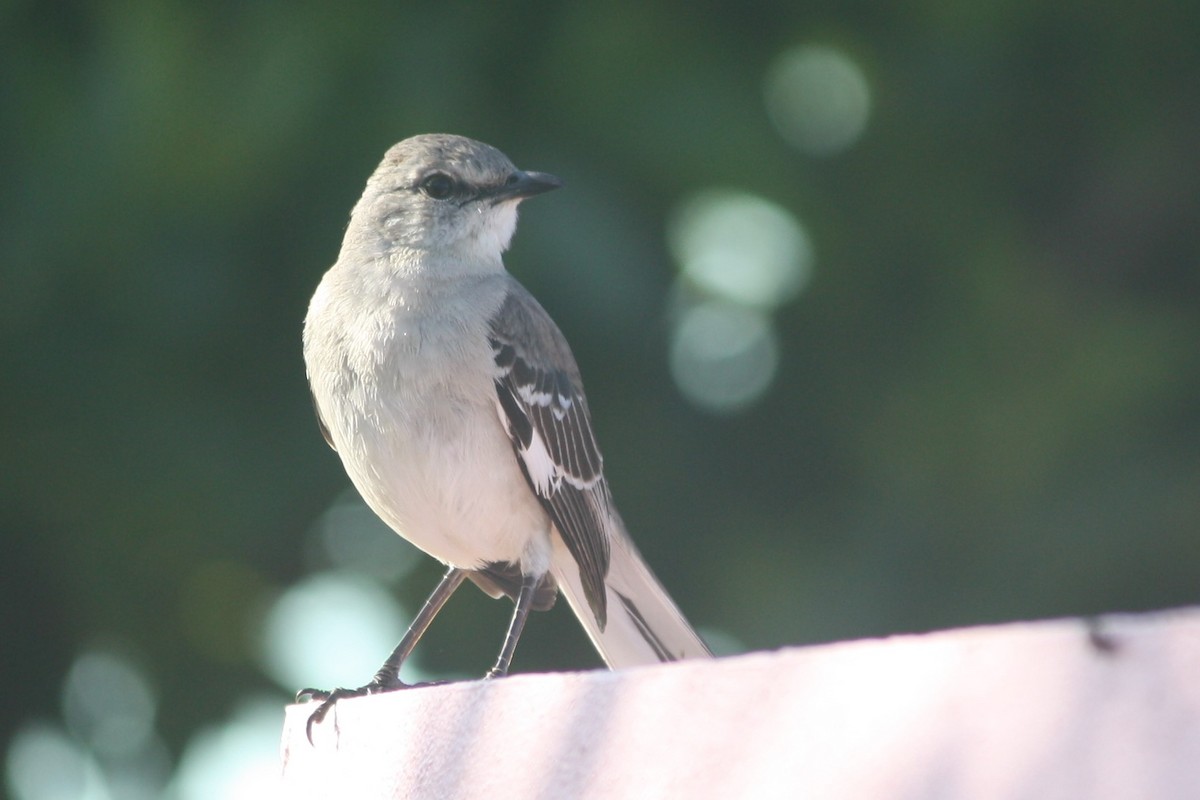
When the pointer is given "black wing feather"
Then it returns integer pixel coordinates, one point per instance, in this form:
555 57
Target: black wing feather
544 406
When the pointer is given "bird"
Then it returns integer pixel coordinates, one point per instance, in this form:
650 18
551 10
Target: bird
459 414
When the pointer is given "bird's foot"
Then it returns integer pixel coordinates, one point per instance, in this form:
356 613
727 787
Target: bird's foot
327 700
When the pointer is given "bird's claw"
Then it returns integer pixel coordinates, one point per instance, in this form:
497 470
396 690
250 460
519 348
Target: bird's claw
308 695
327 700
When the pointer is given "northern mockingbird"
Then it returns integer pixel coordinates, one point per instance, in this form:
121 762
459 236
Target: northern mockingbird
458 411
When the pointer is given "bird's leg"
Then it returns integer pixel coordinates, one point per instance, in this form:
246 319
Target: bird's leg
388 676
521 608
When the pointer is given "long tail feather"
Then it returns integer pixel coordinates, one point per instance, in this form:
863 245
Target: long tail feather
644 624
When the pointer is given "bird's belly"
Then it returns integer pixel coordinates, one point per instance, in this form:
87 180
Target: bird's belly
451 484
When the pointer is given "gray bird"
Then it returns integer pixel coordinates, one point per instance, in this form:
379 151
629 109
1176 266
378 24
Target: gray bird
459 414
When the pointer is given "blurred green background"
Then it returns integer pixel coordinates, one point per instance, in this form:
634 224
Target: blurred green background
888 315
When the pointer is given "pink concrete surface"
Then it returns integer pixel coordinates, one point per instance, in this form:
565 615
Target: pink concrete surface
1042 710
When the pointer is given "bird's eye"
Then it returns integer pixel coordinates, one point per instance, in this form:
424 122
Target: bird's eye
439 185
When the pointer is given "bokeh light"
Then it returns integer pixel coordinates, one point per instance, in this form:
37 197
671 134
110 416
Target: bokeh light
818 99
721 642
44 763
740 257
723 356
108 704
236 760
332 629
740 247
352 537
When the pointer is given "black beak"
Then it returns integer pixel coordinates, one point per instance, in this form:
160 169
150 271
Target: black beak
525 184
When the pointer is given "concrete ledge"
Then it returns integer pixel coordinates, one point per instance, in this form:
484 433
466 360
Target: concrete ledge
1040 710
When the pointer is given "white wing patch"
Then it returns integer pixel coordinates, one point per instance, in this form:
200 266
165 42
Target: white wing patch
534 397
543 472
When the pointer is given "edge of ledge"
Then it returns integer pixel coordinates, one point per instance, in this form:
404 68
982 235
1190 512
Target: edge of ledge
1107 707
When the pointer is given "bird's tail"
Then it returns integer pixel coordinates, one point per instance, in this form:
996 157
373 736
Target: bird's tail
644 624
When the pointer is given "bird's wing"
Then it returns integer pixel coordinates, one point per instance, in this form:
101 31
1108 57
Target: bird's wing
321 423
540 400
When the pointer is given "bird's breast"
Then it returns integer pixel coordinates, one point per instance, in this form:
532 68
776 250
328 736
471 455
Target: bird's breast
406 390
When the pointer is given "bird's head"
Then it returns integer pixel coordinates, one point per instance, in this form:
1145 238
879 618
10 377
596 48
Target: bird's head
448 194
